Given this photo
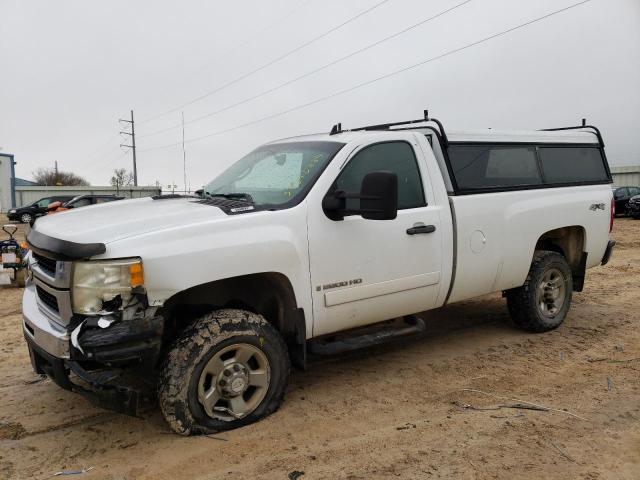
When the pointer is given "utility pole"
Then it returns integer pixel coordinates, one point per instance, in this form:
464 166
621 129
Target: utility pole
132 146
184 158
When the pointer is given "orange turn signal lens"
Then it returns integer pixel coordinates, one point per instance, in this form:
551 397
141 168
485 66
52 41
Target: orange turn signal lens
136 272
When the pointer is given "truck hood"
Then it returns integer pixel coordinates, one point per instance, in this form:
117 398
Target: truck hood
112 221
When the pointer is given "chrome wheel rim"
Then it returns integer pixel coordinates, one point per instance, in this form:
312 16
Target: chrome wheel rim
551 292
234 382
26 218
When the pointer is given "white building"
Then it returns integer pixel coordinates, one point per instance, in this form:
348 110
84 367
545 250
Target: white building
627 176
16 193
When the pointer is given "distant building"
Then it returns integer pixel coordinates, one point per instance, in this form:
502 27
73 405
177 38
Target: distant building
16 192
29 194
627 176
20 182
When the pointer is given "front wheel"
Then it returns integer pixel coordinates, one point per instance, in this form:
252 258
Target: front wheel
228 369
26 218
542 303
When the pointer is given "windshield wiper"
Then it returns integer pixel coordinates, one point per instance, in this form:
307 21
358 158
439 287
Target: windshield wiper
240 196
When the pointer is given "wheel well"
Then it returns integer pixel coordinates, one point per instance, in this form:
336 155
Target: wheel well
269 294
569 242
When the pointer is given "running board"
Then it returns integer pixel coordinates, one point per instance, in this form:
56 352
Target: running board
410 326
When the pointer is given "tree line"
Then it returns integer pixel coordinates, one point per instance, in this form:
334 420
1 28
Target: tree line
53 177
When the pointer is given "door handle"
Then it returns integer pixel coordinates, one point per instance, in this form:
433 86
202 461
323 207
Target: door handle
421 229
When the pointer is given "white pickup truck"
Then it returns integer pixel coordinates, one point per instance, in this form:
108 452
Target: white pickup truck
310 244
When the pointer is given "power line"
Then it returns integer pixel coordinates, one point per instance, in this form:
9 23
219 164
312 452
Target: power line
106 159
104 145
312 72
107 154
268 64
235 48
299 5
115 159
377 79
240 46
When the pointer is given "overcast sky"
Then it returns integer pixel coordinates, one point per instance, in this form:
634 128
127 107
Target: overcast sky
71 68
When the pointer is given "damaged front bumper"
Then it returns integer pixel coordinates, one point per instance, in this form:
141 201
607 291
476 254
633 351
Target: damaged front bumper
106 356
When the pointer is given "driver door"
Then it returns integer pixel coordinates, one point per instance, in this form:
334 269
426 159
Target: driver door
366 271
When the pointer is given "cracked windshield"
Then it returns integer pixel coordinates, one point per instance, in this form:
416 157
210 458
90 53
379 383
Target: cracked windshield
274 175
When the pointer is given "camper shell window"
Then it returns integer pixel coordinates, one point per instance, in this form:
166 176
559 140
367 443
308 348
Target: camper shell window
490 167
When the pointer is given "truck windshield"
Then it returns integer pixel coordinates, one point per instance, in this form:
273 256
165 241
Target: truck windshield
276 174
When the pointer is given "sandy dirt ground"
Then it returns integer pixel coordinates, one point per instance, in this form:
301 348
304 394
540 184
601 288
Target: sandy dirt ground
411 410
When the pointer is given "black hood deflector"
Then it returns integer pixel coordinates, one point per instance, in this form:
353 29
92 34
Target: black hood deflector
62 249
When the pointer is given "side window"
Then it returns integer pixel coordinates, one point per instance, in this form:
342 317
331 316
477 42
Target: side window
397 157
44 203
572 164
490 166
633 191
83 202
103 199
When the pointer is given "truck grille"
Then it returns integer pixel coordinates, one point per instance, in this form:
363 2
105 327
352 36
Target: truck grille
47 265
48 299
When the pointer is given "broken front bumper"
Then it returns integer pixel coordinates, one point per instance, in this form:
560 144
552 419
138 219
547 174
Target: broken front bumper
125 347
40 329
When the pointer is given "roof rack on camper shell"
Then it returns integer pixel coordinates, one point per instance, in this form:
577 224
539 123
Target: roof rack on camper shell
442 135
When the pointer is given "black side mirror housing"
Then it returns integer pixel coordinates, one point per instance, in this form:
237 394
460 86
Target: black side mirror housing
378 198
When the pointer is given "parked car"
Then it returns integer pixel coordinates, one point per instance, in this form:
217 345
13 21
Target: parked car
633 207
81 201
622 195
311 244
28 213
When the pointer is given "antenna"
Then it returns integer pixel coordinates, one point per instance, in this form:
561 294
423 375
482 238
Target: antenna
184 157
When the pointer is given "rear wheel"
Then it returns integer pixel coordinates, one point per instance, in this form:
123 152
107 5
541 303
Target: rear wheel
543 302
228 369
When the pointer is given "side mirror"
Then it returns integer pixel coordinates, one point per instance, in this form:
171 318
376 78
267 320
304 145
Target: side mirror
378 198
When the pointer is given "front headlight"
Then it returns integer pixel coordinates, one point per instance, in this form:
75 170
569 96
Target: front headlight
12 211
100 281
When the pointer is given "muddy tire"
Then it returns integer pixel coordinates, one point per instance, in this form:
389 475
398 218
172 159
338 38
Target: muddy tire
227 369
543 302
